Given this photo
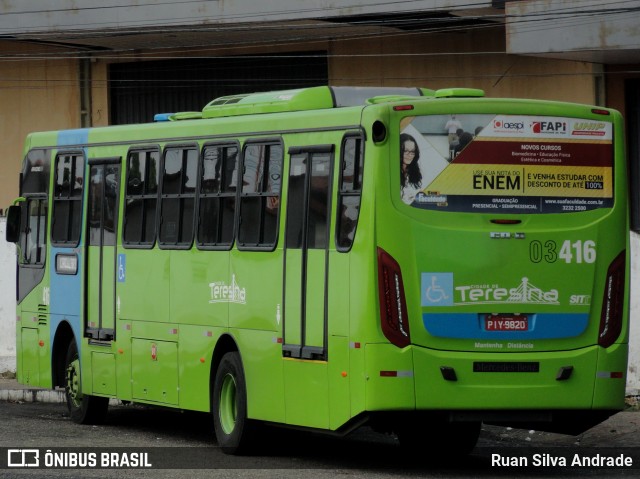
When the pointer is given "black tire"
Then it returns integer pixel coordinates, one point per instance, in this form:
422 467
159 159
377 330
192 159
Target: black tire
439 440
234 431
83 409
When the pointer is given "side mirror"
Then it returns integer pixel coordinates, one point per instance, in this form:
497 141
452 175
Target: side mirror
13 224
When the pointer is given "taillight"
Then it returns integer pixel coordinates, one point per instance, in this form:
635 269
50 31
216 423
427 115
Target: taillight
393 307
613 302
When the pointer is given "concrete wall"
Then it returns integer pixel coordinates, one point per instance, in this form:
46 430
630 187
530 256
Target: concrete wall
589 30
28 16
35 95
7 303
633 378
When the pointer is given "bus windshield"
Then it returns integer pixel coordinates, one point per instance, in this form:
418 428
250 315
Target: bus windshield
485 163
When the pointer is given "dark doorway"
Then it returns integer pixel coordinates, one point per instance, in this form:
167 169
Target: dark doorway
140 90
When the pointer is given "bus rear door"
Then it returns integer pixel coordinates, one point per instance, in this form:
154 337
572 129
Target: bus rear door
305 273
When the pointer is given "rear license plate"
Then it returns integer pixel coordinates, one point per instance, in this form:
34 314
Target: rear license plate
506 322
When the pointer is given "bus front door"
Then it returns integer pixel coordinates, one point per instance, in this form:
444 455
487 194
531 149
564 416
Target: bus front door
305 275
102 223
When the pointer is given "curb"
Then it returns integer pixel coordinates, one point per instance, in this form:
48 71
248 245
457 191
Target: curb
32 395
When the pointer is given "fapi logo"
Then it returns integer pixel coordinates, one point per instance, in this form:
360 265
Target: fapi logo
549 127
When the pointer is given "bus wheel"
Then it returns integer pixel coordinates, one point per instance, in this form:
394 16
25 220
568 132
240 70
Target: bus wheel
439 440
83 409
229 406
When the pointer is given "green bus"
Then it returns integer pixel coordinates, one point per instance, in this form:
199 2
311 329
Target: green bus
420 261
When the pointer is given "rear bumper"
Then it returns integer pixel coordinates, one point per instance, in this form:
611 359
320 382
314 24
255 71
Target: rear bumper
412 379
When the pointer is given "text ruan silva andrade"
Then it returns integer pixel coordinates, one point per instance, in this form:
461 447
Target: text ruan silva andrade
550 460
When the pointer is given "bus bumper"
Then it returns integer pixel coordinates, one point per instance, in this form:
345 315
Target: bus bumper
418 378
582 379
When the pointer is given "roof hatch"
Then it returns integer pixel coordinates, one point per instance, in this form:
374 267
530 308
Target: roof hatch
315 98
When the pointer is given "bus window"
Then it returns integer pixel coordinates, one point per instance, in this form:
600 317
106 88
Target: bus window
34 242
34 187
141 197
35 173
351 170
217 198
260 195
67 198
178 196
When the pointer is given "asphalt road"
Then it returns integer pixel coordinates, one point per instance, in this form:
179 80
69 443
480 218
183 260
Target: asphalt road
185 440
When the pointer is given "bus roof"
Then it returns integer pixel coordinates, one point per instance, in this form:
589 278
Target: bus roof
313 98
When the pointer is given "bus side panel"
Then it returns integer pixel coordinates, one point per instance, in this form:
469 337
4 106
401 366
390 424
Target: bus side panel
339 381
197 293
123 361
306 398
28 356
343 370
154 362
262 361
144 291
390 378
195 351
611 374
66 291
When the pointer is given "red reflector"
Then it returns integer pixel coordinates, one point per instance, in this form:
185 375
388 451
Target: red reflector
616 374
611 316
600 111
403 107
394 321
389 374
506 222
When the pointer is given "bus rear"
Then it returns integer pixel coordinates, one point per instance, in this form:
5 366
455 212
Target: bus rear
509 282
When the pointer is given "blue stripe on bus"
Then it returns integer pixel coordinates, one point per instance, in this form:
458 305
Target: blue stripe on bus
472 326
65 294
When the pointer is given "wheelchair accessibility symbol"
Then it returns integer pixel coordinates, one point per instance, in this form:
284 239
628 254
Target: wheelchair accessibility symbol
122 268
437 289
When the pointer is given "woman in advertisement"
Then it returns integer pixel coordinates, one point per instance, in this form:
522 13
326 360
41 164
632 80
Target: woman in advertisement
410 174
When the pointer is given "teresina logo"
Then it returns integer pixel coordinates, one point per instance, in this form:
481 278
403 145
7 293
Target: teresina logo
525 293
223 293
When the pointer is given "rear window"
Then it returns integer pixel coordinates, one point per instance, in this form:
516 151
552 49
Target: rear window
506 164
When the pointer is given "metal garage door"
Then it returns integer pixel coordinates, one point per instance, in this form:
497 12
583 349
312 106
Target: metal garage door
140 90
